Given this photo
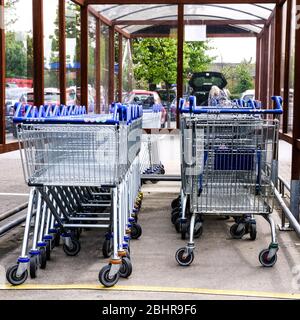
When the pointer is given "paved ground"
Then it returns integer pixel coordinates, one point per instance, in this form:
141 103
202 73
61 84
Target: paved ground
223 268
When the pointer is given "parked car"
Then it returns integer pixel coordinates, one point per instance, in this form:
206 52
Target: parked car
13 95
201 83
51 96
163 93
147 99
248 94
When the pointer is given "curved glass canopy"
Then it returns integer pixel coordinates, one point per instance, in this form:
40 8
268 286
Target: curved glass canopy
259 13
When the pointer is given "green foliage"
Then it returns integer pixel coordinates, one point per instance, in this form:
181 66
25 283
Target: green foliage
18 56
239 77
195 57
243 73
155 60
18 50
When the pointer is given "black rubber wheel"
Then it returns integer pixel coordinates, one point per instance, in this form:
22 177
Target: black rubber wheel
48 249
176 210
126 268
177 225
263 258
107 249
198 230
175 217
235 233
253 231
135 216
176 202
33 267
57 239
43 258
74 250
184 229
52 244
136 231
184 261
11 276
76 233
104 278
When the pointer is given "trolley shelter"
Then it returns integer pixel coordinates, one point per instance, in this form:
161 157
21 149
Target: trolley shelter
84 156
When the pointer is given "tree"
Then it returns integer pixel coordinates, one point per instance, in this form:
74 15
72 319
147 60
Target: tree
18 46
195 57
239 77
155 60
16 56
244 78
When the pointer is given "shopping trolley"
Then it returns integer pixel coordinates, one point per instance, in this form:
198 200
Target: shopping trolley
149 156
152 117
226 156
83 171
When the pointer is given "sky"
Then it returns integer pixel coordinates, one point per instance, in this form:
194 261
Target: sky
232 50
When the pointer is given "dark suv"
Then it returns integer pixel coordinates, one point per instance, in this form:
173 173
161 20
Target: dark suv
201 83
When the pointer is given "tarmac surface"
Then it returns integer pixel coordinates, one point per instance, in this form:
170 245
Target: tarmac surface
223 268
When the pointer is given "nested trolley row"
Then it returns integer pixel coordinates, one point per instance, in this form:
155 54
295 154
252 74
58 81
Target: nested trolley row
84 172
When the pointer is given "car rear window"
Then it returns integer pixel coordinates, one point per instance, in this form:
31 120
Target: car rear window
207 82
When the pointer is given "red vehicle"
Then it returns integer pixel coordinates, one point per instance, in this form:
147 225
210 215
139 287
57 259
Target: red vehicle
147 99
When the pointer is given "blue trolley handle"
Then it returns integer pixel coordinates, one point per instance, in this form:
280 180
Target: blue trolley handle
199 110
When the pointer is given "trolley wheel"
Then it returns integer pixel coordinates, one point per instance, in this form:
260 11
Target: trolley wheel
176 202
253 231
136 217
184 229
74 250
235 233
33 267
136 231
105 279
162 171
57 239
12 278
52 244
107 248
177 225
176 210
263 258
48 249
43 258
175 217
126 268
76 233
184 260
198 230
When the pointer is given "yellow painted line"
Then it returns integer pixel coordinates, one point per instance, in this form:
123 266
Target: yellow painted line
217 292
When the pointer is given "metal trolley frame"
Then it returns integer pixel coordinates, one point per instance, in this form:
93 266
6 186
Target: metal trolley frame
226 156
83 171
